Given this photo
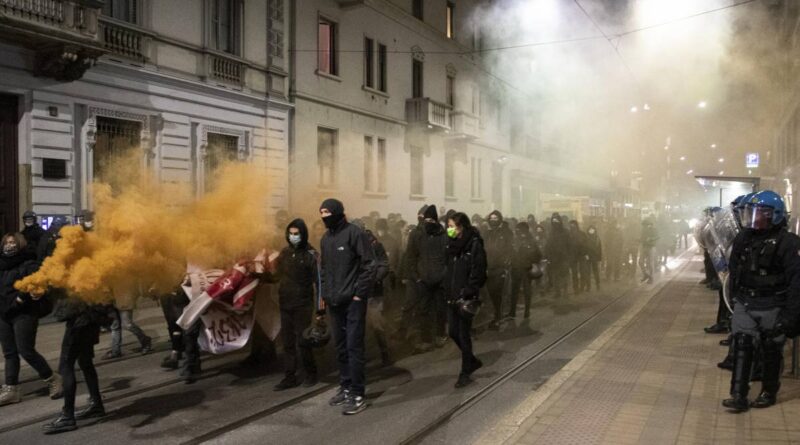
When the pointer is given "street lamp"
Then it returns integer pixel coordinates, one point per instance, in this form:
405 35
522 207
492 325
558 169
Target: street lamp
702 104
713 146
721 172
683 158
721 160
634 109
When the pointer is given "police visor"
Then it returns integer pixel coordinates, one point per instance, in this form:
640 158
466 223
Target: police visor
757 217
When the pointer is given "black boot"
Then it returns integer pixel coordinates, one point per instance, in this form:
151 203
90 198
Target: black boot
172 361
61 424
772 364
740 378
727 363
95 409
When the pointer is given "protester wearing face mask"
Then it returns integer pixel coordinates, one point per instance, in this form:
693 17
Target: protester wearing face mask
557 253
296 271
594 249
86 220
19 321
526 254
499 248
347 271
31 230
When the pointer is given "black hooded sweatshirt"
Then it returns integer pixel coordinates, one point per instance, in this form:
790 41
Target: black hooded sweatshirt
426 255
296 269
466 266
348 260
558 245
499 244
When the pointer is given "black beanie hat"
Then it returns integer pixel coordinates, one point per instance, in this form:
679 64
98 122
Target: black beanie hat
333 205
431 213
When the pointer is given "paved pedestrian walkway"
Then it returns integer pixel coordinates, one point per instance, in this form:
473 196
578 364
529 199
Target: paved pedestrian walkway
651 379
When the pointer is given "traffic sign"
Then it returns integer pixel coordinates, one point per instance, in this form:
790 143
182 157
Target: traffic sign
751 160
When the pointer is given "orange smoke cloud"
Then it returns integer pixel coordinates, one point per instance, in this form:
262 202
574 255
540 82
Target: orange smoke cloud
146 231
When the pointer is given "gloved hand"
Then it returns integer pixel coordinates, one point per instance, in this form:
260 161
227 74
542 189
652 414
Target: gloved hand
785 326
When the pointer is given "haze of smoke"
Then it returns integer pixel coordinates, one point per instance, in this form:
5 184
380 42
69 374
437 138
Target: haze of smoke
146 231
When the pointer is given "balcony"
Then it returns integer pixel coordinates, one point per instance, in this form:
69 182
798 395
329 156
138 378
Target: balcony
424 111
122 39
225 69
464 125
63 33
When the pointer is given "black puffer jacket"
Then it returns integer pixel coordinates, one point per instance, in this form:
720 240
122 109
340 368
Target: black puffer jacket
426 256
499 245
296 269
13 269
348 264
466 266
526 252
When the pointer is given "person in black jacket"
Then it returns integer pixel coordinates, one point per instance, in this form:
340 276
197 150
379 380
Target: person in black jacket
375 318
465 276
579 261
347 280
47 244
499 248
557 252
32 231
594 252
19 321
296 270
425 267
526 254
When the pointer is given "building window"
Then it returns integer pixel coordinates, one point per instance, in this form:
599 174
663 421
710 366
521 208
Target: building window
450 18
124 10
221 148
374 165
417 171
416 9
225 26
450 91
327 47
326 156
476 185
114 141
449 174
382 67
369 63
416 79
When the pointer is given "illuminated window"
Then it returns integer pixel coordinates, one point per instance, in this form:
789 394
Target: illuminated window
327 47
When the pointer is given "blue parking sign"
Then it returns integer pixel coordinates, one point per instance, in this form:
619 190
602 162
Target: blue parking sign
751 160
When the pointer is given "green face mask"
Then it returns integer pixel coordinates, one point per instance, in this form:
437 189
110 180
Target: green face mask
451 232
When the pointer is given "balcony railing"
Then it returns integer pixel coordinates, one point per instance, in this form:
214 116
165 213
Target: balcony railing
225 69
428 112
124 41
464 124
49 12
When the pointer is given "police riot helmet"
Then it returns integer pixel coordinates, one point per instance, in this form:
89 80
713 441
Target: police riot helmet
29 214
764 210
317 335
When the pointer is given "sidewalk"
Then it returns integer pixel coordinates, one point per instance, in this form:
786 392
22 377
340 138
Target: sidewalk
651 379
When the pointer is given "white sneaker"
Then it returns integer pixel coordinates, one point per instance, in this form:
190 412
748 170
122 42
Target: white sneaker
9 394
55 386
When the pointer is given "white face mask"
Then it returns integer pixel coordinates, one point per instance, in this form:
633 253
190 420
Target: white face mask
591 232
29 223
88 224
295 239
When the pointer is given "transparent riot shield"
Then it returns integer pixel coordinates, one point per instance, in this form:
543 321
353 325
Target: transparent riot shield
717 235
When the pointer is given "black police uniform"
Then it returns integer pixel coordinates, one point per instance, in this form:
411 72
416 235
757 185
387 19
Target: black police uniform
765 274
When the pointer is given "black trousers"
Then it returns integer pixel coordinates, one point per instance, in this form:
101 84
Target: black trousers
495 286
613 266
425 310
459 330
172 305
293 322
78 345
520 280
594 269
348 323
574 271
18 338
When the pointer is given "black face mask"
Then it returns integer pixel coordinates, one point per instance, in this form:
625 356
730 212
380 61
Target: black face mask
332 220
494 223
431 227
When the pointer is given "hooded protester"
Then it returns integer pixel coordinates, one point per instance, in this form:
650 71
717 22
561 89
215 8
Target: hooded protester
32 231
526 254
426 267
19 321
557 252
594 249
464 277
347 281
579 261
499 248
296 271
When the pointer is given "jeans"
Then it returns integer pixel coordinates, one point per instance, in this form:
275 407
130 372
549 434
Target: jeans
348 324
459 330
293 322
18 338
123 318
78 346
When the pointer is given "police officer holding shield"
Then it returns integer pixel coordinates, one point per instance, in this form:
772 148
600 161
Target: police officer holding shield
765 282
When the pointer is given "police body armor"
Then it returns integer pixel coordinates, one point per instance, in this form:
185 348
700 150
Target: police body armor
760 281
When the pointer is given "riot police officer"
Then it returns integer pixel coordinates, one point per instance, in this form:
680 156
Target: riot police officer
765 281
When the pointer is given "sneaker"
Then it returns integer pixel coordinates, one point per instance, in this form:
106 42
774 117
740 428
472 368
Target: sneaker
286 383
463 380
110 354
172 361
190 373
61 424
764 400
310 380
354 405
95 409
340 398
55 386
9 394
476 365
147 345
